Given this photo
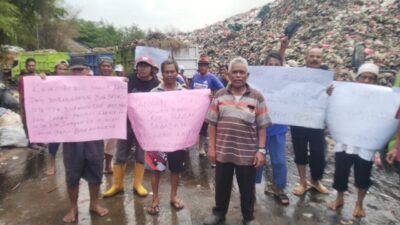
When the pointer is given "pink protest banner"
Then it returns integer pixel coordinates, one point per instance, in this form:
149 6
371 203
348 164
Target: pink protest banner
168 121
75 108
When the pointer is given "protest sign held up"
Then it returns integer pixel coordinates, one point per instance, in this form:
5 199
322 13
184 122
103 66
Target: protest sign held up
72 109
295 96
362 115
168 121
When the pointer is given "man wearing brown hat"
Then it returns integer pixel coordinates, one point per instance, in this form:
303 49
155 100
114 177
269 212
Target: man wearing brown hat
142 81
204 80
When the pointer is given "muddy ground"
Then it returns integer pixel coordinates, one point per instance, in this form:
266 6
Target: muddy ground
29 197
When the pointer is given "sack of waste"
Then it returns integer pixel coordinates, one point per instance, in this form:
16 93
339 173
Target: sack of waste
12 133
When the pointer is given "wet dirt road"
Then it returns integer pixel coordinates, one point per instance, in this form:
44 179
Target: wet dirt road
40 199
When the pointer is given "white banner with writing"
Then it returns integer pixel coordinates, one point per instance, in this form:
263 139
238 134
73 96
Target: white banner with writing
294 96
362 115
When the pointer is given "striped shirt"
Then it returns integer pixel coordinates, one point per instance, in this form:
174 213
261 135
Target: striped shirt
237 123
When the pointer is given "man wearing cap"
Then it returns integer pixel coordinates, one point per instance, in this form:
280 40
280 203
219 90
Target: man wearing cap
142 81
119 70
83 160
181 74
203 80
303 137
347 156
105 64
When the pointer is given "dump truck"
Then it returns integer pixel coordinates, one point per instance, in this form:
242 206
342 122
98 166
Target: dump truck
45 61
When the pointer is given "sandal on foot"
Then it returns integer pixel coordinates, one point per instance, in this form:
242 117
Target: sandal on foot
107 172
283 199
153 209
299 190
178 204
320 187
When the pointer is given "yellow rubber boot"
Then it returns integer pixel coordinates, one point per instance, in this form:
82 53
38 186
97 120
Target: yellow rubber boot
118 181
138 188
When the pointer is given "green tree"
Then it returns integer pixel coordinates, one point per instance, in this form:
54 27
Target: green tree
132 33
101 34
98 34
9 15
32 24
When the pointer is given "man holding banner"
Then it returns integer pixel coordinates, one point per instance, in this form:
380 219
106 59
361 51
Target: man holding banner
83 159
303 137
347 155
142 81
276 147
241 115
175 159
105 64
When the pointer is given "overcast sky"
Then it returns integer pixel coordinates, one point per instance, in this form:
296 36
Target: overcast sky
186 15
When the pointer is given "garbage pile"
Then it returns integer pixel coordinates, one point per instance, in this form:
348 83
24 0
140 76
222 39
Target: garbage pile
11 129
337 26
157 40
7 98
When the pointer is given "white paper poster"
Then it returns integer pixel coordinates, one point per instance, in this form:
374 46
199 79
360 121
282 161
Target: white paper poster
362 115
294 96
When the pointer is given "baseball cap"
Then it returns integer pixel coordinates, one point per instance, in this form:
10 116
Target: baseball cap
145 59
78 63
119 68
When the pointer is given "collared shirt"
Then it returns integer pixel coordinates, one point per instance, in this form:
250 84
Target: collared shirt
237 123
161 87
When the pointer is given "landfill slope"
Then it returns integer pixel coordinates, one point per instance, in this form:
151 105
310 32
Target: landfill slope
335 25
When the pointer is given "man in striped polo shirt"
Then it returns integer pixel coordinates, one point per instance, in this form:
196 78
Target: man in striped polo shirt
237 116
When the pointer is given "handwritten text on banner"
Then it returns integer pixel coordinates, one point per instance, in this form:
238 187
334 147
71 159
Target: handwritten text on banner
168 121
294 96
362 115
75 108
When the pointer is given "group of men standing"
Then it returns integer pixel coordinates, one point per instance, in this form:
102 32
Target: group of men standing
240 134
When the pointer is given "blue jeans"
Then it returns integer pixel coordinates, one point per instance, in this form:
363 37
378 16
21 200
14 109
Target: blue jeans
277 152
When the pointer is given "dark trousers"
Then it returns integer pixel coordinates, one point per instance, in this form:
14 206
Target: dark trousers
303 137
124 149
53 148
245 176
362 171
